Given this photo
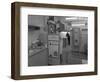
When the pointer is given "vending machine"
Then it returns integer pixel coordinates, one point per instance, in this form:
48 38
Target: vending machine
53 43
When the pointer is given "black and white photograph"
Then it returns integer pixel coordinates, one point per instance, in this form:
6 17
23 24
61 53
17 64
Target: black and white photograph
57 40
50 40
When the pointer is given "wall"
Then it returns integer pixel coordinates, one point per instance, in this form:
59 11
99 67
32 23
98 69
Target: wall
5 41
34 21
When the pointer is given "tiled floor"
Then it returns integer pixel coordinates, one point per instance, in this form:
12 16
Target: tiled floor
68 57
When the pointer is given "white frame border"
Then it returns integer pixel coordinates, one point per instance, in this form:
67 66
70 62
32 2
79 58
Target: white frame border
25 70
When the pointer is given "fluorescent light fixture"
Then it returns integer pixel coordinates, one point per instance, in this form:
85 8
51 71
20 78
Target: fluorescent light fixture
76 18
78 24
71 18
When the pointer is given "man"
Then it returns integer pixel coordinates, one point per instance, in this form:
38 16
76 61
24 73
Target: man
68 37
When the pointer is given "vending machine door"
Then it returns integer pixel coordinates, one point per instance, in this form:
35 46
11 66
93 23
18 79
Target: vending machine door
53 49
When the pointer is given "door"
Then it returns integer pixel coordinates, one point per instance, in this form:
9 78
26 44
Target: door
53 49
76 39
75 57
